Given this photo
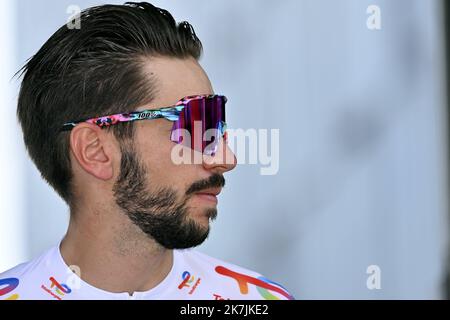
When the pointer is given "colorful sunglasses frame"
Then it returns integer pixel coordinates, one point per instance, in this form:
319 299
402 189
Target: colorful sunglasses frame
170 113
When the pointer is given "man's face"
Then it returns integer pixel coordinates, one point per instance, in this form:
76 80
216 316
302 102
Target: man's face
171 203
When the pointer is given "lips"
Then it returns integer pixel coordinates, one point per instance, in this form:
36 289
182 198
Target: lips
211 191
209 195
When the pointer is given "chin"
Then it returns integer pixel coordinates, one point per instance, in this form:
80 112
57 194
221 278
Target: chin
203 215
201 220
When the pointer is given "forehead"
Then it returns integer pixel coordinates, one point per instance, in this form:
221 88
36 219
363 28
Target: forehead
175 78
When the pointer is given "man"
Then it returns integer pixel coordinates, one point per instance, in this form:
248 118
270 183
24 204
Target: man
136 210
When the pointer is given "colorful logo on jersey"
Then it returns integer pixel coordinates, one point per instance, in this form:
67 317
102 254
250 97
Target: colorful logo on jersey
265 287
189 281
57 290
6 286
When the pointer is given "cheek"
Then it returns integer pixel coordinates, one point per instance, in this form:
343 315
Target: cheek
155 149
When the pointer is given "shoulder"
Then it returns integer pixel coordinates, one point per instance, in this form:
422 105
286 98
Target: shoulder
10 280
224 280
24 279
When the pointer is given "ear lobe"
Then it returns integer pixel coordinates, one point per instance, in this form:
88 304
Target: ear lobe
89 145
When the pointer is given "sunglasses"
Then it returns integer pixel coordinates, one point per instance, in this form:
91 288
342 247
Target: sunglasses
198 121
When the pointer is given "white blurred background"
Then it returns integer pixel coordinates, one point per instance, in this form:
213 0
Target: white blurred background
363 147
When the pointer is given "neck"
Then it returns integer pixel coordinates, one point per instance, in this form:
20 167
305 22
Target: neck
113 254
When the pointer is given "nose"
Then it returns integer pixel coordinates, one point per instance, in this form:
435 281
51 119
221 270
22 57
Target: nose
222 161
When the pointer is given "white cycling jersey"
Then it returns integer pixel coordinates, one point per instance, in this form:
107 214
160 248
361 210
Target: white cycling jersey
193 275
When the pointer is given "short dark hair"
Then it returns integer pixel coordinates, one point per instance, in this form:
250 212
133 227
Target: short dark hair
93 71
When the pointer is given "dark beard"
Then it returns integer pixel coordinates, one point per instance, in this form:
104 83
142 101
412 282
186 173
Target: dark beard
158 214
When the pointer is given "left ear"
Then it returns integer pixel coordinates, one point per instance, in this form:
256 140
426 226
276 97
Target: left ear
92 149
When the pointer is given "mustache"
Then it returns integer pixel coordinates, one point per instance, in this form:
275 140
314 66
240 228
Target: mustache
214 181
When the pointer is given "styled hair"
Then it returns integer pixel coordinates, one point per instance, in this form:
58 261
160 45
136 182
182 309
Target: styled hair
93 71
